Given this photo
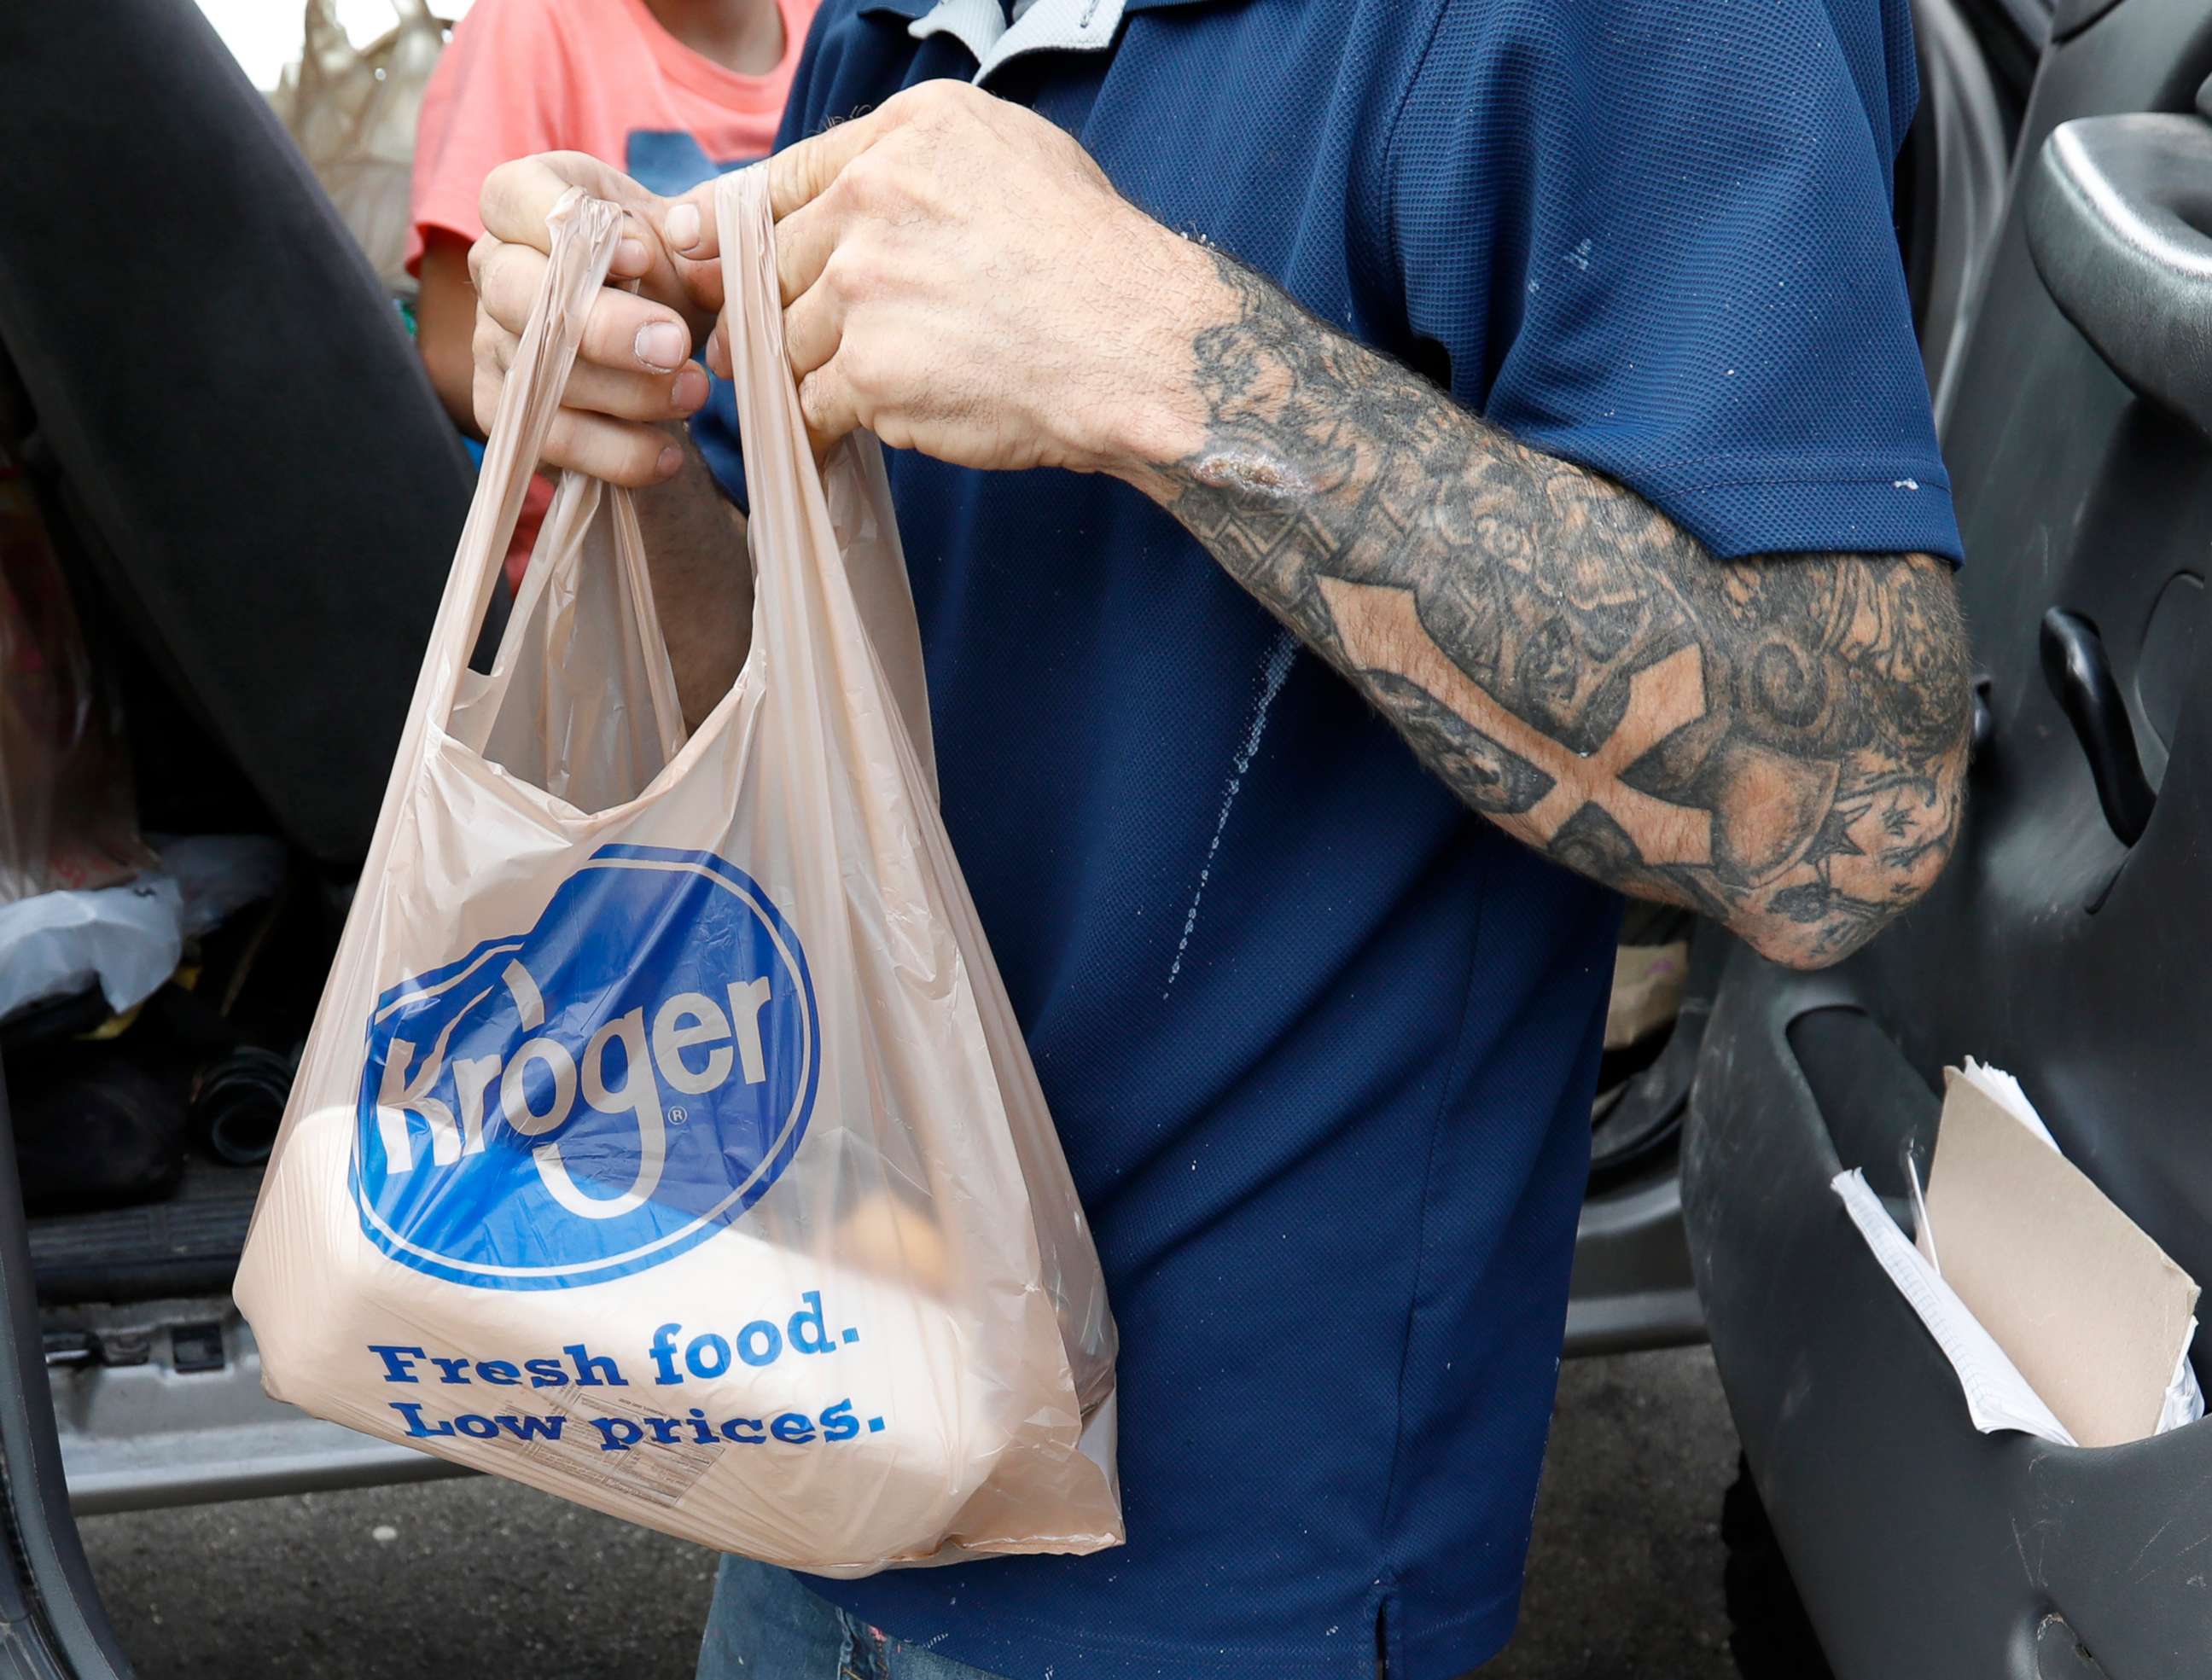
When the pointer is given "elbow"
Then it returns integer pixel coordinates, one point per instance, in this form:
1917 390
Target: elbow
1880 853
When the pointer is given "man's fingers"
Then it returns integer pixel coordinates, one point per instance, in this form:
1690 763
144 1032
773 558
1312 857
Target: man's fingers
654 396
507 278
483 394
516 199
800 174
624 331
620 451
526 263
517 196
804 241
811 330
687 223
829 405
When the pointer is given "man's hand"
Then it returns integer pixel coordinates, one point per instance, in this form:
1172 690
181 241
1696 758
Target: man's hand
960 278
631 385
633 375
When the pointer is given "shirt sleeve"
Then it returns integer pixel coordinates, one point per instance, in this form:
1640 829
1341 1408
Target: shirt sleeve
1654 237
498 92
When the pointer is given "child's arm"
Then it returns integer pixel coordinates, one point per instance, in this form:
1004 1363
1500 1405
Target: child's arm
445 323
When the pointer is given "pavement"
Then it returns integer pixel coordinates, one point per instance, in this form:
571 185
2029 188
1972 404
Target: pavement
475 1577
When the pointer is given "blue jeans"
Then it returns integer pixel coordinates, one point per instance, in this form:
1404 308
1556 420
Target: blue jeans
765 1625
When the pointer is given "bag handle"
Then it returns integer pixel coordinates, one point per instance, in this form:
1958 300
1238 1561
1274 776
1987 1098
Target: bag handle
799 582
585 231
555 569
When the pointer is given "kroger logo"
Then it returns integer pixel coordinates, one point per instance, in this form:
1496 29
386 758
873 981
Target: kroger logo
596 1095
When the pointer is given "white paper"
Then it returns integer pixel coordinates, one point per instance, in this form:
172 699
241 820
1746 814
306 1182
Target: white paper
1998 1395
2185 1399
2001 1088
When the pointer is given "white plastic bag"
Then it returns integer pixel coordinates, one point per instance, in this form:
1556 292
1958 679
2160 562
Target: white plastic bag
664 1138
352 111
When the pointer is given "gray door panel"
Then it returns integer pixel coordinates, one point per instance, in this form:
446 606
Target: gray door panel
2067 944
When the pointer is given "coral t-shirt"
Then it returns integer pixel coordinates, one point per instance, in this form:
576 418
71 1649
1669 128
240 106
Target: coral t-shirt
601 76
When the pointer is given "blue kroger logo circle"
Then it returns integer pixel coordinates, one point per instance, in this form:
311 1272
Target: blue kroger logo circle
597 1095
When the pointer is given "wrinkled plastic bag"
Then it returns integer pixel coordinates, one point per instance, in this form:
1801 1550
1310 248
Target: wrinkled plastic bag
127 940
67 822
665 1139
352 110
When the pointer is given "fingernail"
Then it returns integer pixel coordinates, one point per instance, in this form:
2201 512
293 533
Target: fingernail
670 459
631 254
689 389
683 226
660 346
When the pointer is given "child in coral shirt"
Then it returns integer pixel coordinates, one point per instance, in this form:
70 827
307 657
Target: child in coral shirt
668 91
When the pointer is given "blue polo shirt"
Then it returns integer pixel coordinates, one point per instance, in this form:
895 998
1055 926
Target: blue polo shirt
1320 1043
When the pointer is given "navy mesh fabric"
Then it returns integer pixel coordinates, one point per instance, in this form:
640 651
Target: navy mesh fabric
1655 240
1320 1043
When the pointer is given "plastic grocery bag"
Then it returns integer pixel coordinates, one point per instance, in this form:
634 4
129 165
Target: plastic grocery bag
665 1139
68 819
352 110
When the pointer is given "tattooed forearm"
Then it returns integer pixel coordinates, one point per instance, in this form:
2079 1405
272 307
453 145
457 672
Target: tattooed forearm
1776 742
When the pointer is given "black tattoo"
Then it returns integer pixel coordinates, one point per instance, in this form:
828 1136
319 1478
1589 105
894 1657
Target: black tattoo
1776 742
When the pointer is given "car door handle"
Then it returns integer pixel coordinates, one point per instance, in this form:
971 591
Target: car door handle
2081 679
2118 209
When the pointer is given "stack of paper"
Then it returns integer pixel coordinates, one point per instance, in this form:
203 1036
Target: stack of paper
2060 1316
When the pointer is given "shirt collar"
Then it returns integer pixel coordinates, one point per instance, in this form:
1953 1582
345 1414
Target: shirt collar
911 9
1065 25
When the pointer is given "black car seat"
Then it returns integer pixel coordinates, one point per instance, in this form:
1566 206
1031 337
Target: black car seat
226 402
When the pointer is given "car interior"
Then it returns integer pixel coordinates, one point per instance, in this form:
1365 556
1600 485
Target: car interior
223 477
2076 424
257 561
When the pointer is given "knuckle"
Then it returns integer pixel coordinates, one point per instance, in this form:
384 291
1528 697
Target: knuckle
639 399
484 397
627 460
499 286
944 96
493 190
561 452
851 274
610 334
863 366
868 185
813 399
